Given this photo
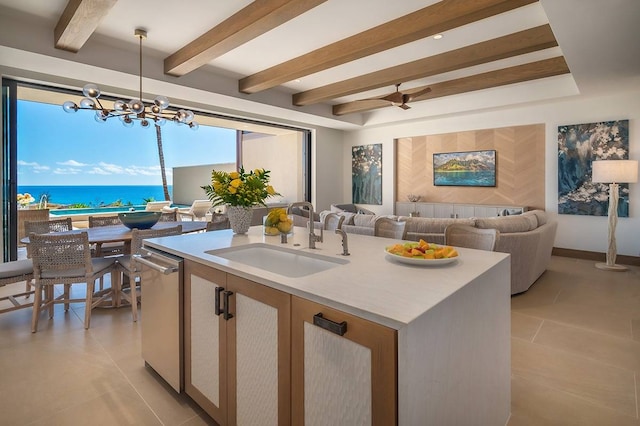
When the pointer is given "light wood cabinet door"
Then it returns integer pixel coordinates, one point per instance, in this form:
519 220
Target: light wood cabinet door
205 334
258 349
237 357
348 379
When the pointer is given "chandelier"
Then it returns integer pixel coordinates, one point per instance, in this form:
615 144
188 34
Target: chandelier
133 110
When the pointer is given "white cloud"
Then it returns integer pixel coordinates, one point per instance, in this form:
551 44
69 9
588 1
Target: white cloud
98 171
66 171
132 170
112 168
34 166
72 163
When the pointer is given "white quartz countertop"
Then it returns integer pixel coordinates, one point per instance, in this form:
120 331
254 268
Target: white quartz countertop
371 285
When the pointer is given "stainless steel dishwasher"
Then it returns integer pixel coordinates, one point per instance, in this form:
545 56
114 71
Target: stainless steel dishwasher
161 301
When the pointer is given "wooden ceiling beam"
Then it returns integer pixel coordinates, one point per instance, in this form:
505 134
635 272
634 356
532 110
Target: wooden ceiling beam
252 21
519 43
517 74
78 21
434 19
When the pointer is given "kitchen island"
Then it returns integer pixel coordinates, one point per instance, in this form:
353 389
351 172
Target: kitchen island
366 341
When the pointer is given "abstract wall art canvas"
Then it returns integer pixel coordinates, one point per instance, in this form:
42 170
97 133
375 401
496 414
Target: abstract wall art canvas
578 146
470 168
366 174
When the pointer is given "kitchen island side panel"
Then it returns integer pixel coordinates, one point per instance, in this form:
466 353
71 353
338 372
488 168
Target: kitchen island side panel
454 361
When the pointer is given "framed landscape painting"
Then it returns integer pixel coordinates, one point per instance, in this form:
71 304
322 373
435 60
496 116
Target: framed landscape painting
470 168
366 174
578 146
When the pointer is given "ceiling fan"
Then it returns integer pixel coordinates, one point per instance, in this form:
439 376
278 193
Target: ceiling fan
400 99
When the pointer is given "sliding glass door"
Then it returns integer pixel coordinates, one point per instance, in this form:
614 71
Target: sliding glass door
9 170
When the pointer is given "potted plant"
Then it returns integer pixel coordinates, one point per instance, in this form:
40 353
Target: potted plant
239 191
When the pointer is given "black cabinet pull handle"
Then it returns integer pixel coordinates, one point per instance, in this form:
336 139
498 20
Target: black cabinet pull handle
227 315
217 309
339 328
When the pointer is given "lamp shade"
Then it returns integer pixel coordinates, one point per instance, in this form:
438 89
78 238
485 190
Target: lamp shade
615 171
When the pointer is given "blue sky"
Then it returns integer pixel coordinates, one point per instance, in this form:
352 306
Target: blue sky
57 148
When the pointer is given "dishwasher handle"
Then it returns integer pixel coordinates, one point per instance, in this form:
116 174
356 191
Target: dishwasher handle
166 270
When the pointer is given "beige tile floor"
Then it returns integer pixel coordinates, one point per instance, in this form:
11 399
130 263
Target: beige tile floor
575 345
575 360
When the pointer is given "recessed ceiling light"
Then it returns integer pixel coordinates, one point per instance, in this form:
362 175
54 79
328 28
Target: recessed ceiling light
297 80
437 36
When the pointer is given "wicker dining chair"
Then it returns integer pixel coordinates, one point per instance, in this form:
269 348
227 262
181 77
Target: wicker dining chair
471 237
106 249
218 221
47 226
169 215
128 266
389 228
66 259
44 227
15 272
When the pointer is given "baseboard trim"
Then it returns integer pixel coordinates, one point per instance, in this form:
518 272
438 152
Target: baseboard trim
595 256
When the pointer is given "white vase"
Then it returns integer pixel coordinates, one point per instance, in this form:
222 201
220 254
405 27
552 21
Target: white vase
240 218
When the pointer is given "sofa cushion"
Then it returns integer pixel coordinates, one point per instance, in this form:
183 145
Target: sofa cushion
348 217
508 224
337 208
364 220
427 225
541 215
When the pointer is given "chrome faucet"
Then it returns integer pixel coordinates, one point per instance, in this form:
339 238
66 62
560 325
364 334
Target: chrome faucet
345 242
313 238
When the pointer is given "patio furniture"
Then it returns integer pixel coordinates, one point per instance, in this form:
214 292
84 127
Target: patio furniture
30 215
128 266
66 259
471 237
169 215
120 233
106 249
44 227
389 228
157 205
218 221
197 211
15 272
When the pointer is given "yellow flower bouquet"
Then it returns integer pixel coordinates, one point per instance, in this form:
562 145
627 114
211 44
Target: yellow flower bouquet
239 188
25 199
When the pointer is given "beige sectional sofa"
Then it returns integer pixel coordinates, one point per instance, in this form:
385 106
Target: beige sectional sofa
528 237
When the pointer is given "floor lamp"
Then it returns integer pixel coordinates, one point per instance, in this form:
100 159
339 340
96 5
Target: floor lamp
613 172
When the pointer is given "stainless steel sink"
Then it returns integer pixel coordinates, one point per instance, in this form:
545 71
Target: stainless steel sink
279 260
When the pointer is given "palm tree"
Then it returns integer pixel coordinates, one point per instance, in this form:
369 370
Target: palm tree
165 187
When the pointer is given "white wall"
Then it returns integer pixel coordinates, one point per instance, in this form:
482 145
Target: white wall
188 180
328 159
574 232
281 156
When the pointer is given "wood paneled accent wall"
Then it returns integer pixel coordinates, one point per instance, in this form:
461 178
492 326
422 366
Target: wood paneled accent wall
520 164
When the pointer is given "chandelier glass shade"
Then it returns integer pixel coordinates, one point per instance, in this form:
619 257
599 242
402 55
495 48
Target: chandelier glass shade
133 110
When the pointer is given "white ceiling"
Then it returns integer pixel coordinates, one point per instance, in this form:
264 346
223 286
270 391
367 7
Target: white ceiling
598 38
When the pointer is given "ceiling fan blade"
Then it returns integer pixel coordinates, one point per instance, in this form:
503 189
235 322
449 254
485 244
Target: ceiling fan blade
395 98
412 96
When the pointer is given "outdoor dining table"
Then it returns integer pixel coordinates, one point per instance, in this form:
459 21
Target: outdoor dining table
120 233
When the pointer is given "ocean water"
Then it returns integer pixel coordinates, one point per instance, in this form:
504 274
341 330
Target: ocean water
97 195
